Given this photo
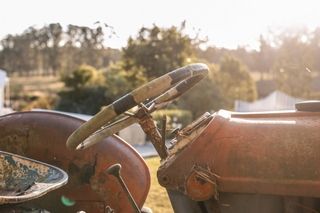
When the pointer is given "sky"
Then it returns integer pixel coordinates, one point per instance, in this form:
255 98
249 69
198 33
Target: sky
226 23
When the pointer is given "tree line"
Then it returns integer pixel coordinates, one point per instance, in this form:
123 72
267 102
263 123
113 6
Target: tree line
51 50
95 75
285 59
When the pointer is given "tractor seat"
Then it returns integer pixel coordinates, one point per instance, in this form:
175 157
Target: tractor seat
23 179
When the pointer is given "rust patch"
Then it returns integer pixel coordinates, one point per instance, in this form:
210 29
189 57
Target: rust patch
149 127
201 184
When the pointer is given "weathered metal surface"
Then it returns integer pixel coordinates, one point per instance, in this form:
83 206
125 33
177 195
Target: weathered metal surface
115 170
42 136
201 184
23 179
189 134
266 153
149 127
182 203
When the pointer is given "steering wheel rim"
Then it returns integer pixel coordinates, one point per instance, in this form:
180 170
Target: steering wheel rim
166 88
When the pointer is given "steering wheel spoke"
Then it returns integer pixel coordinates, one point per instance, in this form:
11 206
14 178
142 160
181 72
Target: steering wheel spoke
107 131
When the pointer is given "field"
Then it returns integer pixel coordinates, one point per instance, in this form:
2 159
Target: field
33 92
48 84
157 199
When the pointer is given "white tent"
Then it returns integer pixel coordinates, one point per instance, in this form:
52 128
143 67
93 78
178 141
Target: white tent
3 82
274 101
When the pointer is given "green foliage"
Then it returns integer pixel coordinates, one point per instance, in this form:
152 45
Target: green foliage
294 80
158 50
50 50
85 92
226 83
283 59
205 96
292 70
292 57
89 89
174 116
86 100
235 81
84 76
120 81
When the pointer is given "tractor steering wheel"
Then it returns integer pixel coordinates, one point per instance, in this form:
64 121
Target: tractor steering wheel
165 88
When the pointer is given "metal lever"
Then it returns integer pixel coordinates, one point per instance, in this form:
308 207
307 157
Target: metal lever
115 170
163 130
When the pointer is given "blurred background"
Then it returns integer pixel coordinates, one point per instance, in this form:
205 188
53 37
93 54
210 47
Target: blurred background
77 56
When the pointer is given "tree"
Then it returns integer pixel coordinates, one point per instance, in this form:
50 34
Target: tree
265 57
88 89
85 91
205 96
55 31
84 76
315 48
228 81
292 69
158 50
50 50
235 81
120 81
17 55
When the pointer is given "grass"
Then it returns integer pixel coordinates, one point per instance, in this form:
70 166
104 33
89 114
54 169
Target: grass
157 199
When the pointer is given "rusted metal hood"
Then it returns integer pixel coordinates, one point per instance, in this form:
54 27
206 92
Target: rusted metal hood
265 153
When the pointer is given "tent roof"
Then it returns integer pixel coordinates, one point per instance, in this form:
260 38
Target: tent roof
276 100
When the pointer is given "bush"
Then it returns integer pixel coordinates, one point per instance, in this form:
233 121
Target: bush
87 100
85 91
84 76
45 102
